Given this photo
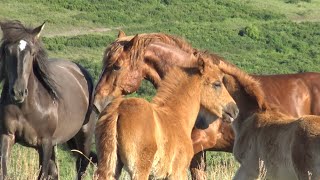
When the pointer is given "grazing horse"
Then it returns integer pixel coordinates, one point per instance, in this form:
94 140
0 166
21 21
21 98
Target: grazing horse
43 102
124 68
154 139
269 144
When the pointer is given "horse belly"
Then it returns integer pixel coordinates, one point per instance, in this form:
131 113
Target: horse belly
69 126
71 116
72 109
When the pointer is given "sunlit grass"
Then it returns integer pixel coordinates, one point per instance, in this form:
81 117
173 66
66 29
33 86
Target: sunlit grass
24 165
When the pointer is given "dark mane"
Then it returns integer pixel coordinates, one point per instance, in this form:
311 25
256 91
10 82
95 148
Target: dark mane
14 31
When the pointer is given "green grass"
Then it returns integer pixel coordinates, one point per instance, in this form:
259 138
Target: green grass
262 37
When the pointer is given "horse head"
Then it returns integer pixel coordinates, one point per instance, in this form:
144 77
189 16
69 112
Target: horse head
122 72
130 59
215 98
18 49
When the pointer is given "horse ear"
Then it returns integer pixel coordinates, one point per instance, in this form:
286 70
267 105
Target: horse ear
131 42
201 64
121 34
37 31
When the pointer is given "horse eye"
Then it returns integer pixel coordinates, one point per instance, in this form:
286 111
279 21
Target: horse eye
115 67
217 84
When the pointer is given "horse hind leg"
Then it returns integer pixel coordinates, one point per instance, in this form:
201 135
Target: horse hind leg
83 142
142 166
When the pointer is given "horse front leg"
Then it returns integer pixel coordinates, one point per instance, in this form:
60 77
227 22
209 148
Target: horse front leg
198 166
45 154
7 142
53 169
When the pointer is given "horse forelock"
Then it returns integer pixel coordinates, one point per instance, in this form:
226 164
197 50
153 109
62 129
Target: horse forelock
14 31
249 83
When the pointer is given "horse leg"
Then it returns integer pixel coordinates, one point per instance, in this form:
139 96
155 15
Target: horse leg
7 142
84 142
198 166
178 175
45 154
118 168
53 169
142 166
243 174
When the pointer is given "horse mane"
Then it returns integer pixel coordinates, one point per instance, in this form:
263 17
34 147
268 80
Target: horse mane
137 49
249 83
14 31
177 79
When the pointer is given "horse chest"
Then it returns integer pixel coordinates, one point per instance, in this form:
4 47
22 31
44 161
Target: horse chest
28 124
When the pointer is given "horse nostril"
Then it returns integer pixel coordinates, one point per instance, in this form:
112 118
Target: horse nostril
232 110
25 92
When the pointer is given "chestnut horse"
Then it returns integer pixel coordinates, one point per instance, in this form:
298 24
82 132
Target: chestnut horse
124 69
44 102
154 139
269 144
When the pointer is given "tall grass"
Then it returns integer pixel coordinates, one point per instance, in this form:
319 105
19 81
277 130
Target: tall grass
24 165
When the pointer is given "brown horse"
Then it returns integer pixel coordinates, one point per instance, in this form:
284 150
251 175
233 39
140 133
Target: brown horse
154 138
269 144
124 68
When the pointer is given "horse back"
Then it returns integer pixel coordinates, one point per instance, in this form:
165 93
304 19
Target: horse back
293 94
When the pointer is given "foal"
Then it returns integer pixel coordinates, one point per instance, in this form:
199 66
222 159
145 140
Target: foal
288 147
154 139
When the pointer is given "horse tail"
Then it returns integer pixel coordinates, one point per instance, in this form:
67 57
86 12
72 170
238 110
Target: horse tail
106 141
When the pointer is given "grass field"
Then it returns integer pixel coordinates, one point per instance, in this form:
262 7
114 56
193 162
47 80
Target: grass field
262 37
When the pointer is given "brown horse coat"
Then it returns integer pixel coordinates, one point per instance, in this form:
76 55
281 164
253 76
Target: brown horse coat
295 94
154 138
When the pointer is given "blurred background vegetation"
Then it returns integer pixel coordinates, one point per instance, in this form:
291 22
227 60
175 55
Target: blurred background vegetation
261 37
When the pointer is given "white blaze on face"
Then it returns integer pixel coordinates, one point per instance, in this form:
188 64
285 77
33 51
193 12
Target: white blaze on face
22 45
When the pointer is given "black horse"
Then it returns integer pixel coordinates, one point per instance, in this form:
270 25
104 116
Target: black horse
43 102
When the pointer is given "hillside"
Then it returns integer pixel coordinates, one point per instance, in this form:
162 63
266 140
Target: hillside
262 37
278 36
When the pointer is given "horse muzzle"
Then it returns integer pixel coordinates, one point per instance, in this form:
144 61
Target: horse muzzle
100 104
230 112
18 95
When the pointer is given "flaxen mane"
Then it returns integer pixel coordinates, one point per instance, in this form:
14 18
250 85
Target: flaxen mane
138 47
14 31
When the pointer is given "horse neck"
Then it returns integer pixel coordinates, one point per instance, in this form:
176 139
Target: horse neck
35 88
183 102
246 102
159 57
